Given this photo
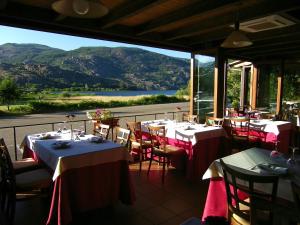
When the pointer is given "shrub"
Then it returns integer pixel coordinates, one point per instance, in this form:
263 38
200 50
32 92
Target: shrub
66 95
48 106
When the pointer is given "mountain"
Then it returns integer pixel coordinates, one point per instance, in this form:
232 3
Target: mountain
100 67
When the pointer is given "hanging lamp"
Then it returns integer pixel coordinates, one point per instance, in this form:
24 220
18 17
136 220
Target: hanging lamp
237 39
80 8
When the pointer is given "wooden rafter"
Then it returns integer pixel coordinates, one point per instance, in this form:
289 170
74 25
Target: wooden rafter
127 9
195 11
245 14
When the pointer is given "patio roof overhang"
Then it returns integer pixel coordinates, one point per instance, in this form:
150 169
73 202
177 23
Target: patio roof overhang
184 25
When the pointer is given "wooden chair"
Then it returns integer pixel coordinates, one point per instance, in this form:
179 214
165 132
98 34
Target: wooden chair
21 165
160 149
138 144
102 130
18 187
122 136
250 210
239 132
214 121
189 118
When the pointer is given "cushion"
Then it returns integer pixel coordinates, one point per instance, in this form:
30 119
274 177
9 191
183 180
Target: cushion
38 178
24 165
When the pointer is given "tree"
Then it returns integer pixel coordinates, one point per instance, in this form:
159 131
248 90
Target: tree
9 91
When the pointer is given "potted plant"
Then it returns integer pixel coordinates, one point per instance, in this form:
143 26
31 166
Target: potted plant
103 116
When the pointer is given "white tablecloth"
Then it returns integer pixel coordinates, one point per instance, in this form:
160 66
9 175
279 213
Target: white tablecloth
81 152
270 126
186 131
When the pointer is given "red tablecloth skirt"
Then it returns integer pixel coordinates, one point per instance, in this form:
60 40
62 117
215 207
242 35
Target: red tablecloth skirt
199 156
216 199
87 188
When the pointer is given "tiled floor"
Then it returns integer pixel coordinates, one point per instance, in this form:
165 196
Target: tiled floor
168 204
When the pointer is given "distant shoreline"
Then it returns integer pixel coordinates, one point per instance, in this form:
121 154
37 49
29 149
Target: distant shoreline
122 92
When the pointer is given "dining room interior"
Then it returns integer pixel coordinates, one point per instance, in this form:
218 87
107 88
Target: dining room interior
239 138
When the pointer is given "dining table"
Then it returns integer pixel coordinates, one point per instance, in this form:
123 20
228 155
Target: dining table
268 132
202 144
256 161
88 172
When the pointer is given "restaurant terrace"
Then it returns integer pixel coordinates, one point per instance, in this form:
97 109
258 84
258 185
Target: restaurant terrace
254 143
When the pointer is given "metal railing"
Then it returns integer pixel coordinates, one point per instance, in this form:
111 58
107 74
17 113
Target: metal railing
14 128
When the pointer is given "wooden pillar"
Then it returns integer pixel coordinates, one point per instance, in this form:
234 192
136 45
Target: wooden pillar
280 88
219 82
253 86
192 84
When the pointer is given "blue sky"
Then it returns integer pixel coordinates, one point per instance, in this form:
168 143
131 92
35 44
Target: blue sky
66 42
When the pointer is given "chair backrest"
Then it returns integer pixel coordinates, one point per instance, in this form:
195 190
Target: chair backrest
237 181
7 184
214 121
122 136
136 131
189 118
103 130
158 135
240 127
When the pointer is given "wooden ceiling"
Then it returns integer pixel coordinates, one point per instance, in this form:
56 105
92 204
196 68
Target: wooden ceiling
198 26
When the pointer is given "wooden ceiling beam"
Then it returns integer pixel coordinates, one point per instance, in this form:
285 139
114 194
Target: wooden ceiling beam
127 9
248 13
196 11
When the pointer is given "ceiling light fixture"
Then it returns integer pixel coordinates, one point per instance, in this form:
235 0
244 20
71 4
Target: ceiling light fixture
237 39
80 8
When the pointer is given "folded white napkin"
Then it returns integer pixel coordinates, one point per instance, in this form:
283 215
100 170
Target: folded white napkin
96 139
61 144
274 169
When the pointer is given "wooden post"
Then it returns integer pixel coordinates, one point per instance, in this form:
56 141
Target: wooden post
192 84
219 79
253 86
280 78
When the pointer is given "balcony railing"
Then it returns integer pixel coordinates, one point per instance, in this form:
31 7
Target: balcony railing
13 140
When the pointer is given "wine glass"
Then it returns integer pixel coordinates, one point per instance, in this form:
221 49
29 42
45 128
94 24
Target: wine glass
59 127
166 116
292 161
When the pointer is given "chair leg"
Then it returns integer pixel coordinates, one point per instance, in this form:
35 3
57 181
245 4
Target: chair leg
141 160
149 167
163 171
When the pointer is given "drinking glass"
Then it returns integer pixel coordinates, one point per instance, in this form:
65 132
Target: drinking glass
275 153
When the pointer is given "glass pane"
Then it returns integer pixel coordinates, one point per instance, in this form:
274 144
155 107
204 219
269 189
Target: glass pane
233 88
204 87
267 88
291 92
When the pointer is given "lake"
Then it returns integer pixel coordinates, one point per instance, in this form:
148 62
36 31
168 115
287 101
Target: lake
129 93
